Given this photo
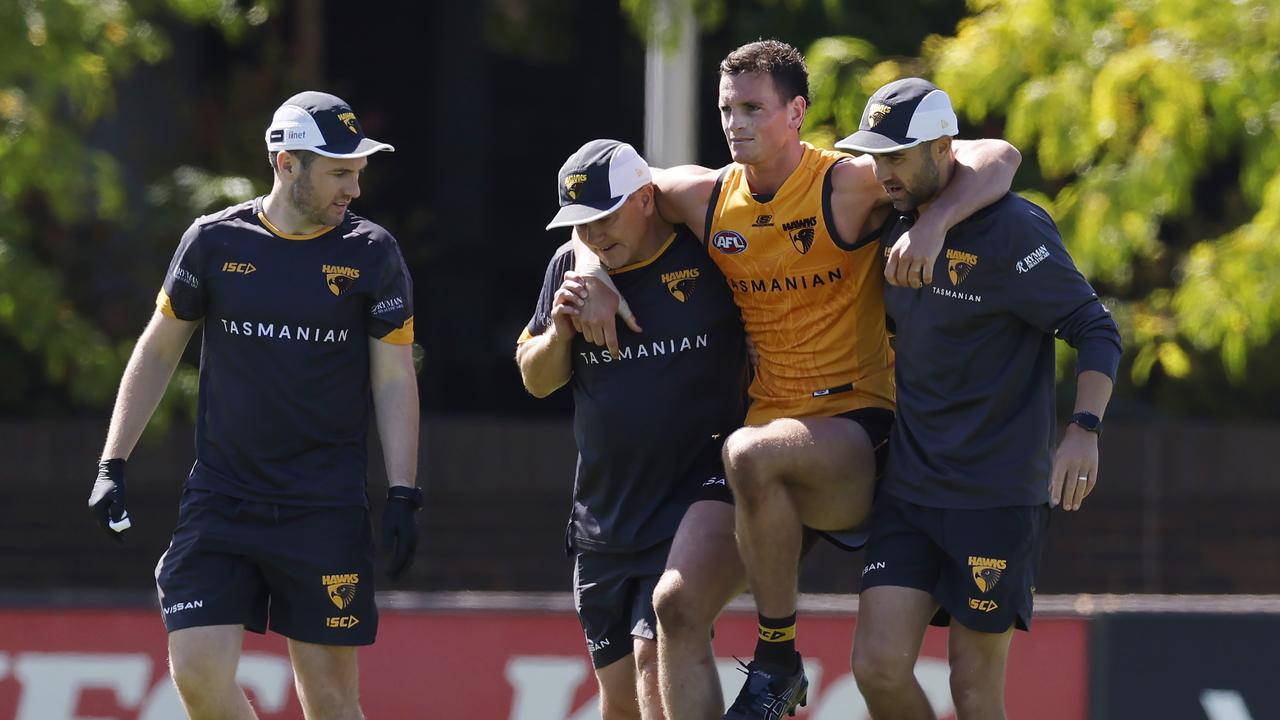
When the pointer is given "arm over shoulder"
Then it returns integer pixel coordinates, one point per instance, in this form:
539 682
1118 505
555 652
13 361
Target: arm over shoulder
684 192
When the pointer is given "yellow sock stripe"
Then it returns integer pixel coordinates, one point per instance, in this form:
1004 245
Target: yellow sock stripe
777 634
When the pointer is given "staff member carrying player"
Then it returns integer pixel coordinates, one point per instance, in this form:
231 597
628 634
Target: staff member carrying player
650 416
308 313
785 223
958 525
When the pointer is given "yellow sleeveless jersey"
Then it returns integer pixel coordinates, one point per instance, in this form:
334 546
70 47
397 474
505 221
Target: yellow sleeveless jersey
812 302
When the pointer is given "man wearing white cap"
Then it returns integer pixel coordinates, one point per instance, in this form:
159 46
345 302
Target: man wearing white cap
650 415
307 313
958 524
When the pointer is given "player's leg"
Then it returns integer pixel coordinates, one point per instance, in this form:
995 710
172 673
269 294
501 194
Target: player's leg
891 625
978 660
203 661
613 594
790 473
210 593
703 574
328 680
618 690
645 652
987 588
319 567
902 568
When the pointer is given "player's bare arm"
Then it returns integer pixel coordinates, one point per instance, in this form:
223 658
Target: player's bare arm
1075 466
858 200
684 192
394 385
545 359
983 173
395 404
150 367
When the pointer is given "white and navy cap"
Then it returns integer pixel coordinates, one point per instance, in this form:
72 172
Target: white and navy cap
596 180
903 114
321 123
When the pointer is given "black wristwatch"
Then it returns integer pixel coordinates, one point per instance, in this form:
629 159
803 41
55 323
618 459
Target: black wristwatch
1088 422
412 494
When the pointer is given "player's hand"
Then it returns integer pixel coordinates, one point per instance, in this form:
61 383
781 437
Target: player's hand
1075 469
596 316
107 501
911 259
399 528
567 304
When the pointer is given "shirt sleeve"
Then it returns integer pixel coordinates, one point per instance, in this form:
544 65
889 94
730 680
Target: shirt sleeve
391 305
541 320
1049 292
182 296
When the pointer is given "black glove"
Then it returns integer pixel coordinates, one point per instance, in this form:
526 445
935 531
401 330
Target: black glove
108 498
399 533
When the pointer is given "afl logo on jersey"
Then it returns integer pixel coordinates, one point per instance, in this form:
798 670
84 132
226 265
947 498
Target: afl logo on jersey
729 242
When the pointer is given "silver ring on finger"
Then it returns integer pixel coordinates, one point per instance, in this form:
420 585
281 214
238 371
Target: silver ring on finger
1082 478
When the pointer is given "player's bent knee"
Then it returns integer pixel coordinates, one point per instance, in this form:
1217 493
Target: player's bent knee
679 608
741 450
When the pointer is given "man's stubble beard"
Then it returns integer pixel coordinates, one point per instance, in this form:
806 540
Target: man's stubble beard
303 198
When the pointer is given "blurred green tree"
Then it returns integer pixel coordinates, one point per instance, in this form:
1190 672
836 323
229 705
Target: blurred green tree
60 61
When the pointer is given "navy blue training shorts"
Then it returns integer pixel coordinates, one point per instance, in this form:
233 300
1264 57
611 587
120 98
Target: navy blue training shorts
304 572
613 594
979 564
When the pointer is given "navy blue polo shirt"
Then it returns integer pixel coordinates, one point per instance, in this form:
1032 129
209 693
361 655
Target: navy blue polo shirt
284 400
974 359
649 419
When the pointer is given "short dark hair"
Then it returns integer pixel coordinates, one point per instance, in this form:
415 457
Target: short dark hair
305 158
775 58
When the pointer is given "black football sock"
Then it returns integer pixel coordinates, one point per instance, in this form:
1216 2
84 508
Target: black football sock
776 645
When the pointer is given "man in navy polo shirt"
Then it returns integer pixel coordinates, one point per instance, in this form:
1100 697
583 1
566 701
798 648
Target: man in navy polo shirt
307 313
649 417
958 523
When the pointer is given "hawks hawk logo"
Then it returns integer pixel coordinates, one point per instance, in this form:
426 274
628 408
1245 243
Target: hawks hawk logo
573 183
802 240
681 283
349 119
801 233
340 278
986 572
878 113
341 588
959 264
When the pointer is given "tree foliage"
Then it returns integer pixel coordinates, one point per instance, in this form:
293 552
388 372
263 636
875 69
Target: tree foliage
1155 125
59 63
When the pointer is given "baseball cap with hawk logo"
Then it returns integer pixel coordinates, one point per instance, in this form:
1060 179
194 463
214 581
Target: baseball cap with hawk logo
903 114
321 123
596 180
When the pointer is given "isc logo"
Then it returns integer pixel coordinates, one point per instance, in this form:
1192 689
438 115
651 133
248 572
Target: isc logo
238 267
348 621
982 605
729 242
